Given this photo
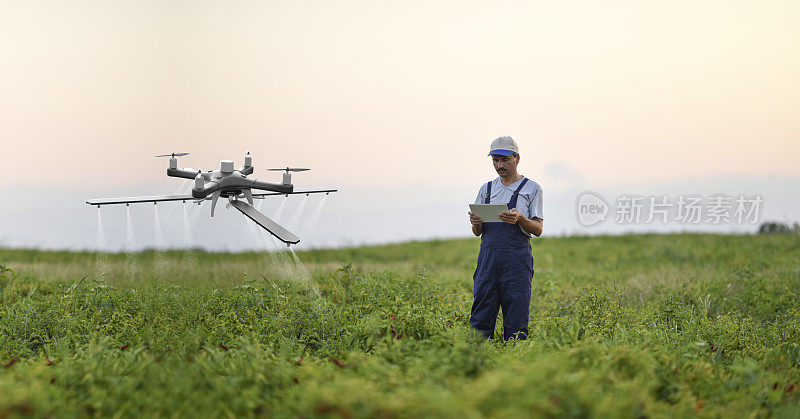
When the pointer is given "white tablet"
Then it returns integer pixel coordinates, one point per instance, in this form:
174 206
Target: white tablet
489 213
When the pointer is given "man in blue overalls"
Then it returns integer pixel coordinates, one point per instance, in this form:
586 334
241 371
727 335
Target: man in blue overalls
505 263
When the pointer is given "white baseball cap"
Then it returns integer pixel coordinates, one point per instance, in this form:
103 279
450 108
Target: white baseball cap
504 146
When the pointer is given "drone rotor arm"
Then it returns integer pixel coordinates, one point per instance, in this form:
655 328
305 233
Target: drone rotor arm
181 173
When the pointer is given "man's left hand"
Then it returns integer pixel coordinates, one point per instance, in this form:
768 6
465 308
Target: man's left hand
511 216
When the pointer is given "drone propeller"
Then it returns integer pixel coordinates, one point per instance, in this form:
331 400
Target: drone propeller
290 169
173 155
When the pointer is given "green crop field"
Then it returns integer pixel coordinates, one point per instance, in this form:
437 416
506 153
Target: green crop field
626 326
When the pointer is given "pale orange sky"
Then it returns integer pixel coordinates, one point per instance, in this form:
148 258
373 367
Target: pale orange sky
382 93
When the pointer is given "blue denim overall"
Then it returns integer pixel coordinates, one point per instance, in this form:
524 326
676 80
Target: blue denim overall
503 276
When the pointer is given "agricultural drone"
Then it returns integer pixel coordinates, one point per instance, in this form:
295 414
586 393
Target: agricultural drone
227 183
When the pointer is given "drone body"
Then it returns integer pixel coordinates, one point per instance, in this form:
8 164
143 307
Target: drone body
229 183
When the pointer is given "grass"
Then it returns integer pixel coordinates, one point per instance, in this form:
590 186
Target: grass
642 325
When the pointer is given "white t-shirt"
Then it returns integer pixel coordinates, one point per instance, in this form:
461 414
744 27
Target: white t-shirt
529 201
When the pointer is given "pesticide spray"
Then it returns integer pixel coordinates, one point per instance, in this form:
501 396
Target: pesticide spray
131 262
101 261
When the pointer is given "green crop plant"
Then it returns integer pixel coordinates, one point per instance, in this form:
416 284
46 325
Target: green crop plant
622 326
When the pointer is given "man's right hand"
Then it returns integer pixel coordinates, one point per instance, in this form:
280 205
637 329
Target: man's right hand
475 220
477 224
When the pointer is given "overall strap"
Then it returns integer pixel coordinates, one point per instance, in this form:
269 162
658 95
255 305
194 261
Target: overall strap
521 185
488 192
513 202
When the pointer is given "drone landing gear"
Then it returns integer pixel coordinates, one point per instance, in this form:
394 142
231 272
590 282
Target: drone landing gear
281 233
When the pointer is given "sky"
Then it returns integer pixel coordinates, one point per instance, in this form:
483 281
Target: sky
394 103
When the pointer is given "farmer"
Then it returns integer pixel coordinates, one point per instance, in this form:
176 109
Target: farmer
505 262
